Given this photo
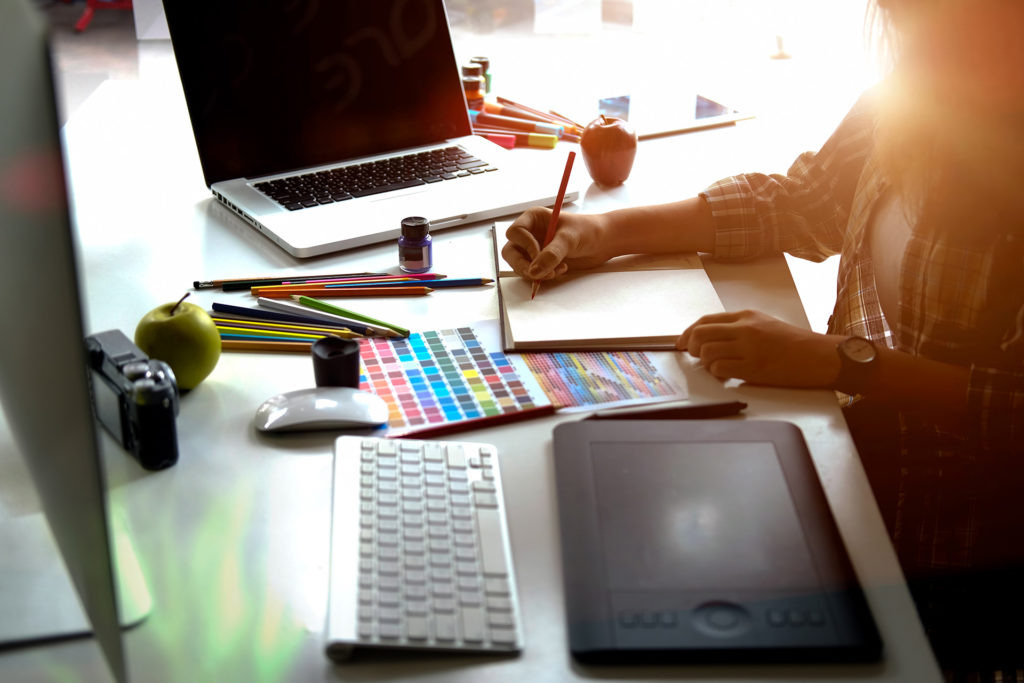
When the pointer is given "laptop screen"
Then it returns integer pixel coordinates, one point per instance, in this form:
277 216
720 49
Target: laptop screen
277 86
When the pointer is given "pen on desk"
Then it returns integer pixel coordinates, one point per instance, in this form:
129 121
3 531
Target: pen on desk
438 284
553 223
688 411
328 291
360 326
237 284
479 422
336 310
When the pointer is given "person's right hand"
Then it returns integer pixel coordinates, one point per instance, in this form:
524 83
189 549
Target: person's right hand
580 242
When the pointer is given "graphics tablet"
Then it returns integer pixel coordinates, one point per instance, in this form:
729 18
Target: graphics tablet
702 541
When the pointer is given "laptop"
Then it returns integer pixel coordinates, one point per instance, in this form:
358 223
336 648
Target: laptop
299 108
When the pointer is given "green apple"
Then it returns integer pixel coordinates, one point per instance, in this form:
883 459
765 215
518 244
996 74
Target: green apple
182 335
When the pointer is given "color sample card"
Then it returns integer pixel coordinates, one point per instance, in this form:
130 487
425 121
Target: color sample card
600 377
443 376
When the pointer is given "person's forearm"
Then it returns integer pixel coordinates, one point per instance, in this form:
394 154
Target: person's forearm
913 382
684 226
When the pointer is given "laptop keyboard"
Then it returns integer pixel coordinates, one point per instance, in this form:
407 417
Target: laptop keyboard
374 177
422 559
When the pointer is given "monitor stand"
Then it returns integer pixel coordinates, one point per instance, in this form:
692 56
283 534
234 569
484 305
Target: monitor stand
38 601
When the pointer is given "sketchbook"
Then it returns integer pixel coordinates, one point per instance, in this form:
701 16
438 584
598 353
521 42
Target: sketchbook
639 302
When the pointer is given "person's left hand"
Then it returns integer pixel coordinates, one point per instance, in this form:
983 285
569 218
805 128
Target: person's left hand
760 349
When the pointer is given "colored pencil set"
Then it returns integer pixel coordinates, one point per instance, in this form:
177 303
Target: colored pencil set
291 314
511 124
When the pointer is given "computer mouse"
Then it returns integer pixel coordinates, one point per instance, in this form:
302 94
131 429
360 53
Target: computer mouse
320 408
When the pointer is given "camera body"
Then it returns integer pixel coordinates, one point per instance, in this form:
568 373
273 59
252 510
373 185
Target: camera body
135 398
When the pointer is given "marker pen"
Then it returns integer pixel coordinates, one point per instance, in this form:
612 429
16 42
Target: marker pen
485 119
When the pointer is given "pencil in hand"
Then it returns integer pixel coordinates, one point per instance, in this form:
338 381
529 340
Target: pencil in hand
553 223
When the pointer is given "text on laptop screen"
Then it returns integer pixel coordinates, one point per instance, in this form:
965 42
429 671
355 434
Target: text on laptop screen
278 86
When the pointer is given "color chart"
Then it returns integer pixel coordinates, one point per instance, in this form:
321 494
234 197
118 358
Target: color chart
600 377
442 376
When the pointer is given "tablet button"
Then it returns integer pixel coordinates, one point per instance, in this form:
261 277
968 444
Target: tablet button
721 619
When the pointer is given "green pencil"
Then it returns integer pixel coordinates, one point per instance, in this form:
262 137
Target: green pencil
336 310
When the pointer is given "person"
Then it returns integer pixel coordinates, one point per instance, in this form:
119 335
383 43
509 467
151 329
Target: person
918 190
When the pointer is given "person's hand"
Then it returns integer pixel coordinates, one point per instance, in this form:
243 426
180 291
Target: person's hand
579 243
760 349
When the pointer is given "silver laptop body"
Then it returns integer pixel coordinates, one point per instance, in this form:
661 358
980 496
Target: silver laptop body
277 90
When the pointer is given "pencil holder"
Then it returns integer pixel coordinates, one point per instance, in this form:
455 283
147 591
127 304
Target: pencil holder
336 362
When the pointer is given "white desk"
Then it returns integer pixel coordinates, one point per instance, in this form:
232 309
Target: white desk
233 539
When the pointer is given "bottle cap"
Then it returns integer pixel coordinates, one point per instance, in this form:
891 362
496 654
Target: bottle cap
415 227
472 70
473 82
484 63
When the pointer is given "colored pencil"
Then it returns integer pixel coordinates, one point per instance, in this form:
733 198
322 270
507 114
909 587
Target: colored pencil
438 284
337 310
375 278
221 321
247 282
547 116
325 316
326 290
249 332
233 336
259 345
408 282
296 314
479 422
553 223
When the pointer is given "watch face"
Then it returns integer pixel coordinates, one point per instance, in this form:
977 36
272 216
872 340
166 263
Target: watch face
859 350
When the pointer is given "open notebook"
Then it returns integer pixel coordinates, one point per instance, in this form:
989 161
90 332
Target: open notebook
631 302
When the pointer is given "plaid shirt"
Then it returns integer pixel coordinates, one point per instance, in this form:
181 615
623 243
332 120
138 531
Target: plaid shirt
823 206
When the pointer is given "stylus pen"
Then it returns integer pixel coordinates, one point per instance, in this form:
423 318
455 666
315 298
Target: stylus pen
478 422
695 411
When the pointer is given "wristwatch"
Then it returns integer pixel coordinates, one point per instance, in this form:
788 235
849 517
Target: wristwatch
858 360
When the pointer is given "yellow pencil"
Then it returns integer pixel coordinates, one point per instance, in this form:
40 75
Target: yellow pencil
284 327
272 333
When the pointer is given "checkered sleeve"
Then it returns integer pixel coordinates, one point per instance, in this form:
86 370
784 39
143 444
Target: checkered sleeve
804 212
996 404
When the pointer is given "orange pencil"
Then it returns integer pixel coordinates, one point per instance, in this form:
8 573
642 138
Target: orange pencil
274 293
553 223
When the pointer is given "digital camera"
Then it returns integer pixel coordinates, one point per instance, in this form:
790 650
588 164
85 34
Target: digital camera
135 398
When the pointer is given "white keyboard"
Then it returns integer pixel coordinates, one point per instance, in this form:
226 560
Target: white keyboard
420 554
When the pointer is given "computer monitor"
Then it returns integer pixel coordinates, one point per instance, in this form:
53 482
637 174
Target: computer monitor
44 391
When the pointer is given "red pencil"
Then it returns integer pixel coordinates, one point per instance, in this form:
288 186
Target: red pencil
554 214
477 423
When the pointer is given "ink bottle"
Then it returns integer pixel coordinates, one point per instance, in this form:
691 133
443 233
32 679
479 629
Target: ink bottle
415 246
485 65
474 88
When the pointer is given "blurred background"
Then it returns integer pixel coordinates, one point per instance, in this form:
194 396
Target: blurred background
795 65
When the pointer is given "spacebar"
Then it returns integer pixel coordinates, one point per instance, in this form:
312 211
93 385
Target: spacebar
387 188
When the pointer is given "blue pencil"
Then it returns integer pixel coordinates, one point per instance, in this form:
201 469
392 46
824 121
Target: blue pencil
434 284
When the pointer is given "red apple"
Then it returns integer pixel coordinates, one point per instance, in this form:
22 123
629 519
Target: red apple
609 147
